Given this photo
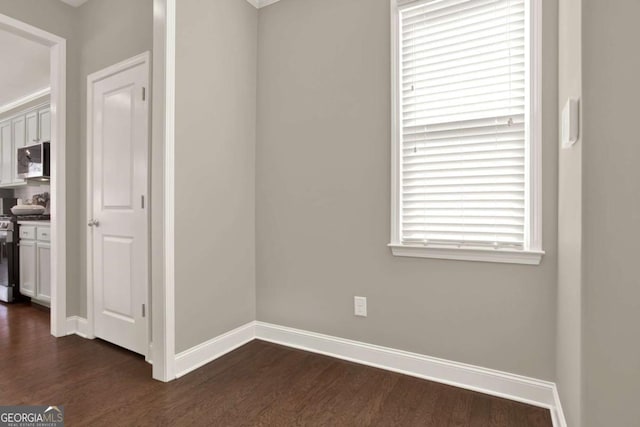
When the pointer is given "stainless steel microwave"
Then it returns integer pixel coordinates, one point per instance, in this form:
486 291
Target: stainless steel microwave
34 162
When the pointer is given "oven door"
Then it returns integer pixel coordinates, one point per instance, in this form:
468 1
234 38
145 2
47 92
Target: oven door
6 254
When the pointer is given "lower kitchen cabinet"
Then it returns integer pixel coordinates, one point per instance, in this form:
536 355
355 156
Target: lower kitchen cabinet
28 264
35 262
43 271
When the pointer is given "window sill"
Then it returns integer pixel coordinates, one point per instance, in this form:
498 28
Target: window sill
467 254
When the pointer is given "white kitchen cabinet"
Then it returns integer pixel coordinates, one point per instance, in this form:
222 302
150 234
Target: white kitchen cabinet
31 124
28 265
19 132
35 262
44 124
26 128
6 153
19 125
43 271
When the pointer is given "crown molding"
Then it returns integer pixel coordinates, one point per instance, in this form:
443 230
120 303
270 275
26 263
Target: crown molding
258 4
24 100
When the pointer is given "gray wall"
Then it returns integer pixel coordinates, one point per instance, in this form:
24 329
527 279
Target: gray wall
323 203
570 254
110 31
215 168
611 66
61 19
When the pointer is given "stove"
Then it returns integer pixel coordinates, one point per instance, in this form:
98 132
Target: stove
6 223
9 262
41 217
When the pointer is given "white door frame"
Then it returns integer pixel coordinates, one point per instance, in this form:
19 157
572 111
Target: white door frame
141 59
58 81
162 191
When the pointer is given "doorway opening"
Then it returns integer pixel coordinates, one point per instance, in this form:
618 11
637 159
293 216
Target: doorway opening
56 121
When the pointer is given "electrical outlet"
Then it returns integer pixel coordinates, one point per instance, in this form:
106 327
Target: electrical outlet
360 306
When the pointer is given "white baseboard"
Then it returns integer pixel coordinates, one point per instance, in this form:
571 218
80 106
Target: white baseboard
208 351
77 325
496 383
558 414
489 381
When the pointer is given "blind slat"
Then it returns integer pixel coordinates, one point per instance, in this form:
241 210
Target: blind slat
463 118
478 8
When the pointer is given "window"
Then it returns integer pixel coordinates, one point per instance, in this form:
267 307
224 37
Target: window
466 130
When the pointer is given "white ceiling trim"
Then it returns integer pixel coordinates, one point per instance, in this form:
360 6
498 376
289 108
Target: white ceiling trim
74 3
26 99
260 3
264 3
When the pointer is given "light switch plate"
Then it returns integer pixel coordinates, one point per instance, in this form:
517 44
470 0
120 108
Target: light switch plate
570 123
360 306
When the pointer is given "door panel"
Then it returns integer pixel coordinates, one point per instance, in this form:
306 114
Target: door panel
120 180
117 156
118 296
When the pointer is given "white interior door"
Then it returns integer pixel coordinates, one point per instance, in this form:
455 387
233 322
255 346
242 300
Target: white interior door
120 116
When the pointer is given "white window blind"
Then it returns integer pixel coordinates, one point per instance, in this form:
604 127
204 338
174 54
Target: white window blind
463 123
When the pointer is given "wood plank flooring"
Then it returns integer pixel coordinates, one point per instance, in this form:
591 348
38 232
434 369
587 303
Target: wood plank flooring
260 384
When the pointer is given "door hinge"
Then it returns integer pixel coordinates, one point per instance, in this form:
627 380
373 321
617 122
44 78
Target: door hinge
143 311
144 93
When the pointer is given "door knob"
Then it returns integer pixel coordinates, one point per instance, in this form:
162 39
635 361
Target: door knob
93 223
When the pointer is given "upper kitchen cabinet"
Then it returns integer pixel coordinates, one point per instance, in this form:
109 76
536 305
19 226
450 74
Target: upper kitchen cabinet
27 128
31 124
44 124
6 156
38 124
19 132
19 125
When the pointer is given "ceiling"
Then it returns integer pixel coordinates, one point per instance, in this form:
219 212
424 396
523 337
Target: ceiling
75 3
25 68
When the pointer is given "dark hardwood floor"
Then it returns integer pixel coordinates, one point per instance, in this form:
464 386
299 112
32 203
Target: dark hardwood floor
260 384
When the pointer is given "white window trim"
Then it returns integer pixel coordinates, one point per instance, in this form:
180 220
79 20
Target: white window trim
533 253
